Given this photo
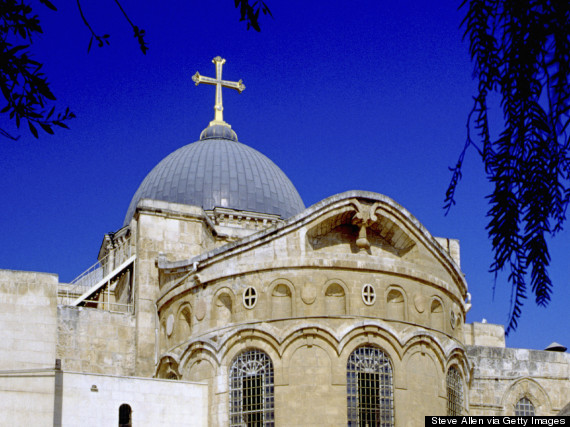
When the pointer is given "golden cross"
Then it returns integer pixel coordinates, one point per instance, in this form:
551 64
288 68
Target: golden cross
219 83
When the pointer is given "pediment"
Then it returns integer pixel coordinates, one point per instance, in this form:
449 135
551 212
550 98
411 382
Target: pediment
359 227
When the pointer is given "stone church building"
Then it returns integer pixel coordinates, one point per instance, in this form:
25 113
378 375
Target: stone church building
223 300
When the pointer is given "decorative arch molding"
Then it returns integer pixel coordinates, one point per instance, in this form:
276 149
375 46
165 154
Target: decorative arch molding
437 313
195 350
425 349
308 339
373 333
314 214
458 359
426 344
336 299
246 338
223 307
364 223
167 368
183 323
380 342
282 295
396 302
308 335
532 390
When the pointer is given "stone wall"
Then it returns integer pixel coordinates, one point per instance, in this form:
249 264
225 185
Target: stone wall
27 351
28 303
484 334
94 400
502 376
97 341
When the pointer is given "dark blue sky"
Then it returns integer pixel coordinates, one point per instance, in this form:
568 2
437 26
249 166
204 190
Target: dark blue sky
366 95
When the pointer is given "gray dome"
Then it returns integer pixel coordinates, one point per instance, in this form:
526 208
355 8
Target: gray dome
220 172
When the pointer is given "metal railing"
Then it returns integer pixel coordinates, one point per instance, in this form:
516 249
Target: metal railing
94 274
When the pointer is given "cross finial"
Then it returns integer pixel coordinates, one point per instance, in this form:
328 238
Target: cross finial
219 83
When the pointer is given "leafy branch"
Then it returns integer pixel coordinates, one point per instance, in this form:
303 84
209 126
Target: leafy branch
103 40
24 86
521 51
250 12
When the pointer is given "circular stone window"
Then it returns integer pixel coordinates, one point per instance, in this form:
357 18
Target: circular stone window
452 319
250 297
368 294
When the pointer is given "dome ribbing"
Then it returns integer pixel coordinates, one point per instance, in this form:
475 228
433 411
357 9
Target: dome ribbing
218 172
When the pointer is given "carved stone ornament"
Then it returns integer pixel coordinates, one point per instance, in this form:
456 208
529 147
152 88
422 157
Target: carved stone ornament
364 218
170 325
309 293
200 311
419 303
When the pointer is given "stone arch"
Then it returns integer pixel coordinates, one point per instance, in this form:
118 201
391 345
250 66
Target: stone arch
223 308
163 339
201 365
436 314
167 368
370 387
382 339
381 335
455 386
308 337
396 303
334 292
282 297
309 367
251 386
241 339
183 323
532 390
426 343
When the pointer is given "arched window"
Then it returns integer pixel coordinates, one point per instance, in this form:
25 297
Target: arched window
125 416
436 313
370 394
251 390
223 310
281 301
454 392
524 407
396 305
184 325
335 300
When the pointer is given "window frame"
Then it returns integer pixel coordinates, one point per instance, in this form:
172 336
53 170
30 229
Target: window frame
454 386
246 369
370 365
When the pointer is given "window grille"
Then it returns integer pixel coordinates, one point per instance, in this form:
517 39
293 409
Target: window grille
251 390
524 407
370 393
454 392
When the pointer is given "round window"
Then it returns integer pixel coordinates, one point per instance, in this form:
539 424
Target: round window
368 294
250 297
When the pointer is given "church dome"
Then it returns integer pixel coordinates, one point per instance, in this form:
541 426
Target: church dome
219 171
